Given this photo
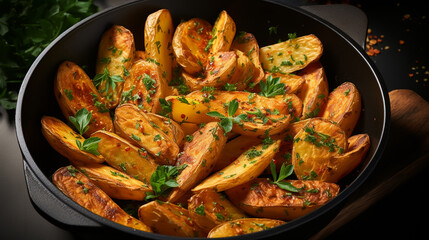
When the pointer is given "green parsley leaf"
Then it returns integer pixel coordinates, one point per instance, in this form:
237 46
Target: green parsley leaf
110 81
285 171
81 120
272 87
89 145
200 210
163 180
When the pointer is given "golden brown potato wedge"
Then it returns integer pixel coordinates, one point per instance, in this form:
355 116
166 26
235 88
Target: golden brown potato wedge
158 37
74 91
262 114
209 208
125 157
171 128
248 166
294 105
187 110
189 128
261 198
114 183
343 107
63 139
200 156
80 189
233 149
190 44
247 43
291 55
243 71
145 86
315 90
134 125
115 56
218 72
243 226
344 164
169 219
139 55
222 34
293 82
314 149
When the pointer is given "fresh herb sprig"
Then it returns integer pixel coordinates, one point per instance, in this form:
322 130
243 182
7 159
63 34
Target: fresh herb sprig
26 28
81 120
272 88
285 171
89 145
227 122
110 81
163 180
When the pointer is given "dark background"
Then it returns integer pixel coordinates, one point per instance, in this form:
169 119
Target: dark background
403 63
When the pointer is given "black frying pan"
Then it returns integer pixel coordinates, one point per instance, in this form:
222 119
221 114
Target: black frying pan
343 59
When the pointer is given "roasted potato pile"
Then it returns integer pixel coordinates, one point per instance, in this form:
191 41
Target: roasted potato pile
211 135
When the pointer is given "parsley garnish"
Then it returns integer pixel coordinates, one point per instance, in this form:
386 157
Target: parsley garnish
272 88
163 179
227 122
89 145
110 81
68 94
210 43
166 107
285 171
200 210
81 120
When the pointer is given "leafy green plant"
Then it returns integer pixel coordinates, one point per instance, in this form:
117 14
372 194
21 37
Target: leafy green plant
81 120
227 122
163 180
285 171
26 28
272 88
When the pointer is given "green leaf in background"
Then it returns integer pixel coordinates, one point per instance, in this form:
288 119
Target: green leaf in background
26 28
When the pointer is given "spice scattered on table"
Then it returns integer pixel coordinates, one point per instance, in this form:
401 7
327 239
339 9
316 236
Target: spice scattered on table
372 44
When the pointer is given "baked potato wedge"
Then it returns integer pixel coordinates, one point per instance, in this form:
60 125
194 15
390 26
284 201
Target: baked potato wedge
145 86
222 34
125 157
261 198
171 128
115 183
246 43
293 83
343 107
80 189
233 149
200 156
291 55
344 164
187 110
189 128
158 37
209 208
243 72
315 90
74 91
139 55
261 114
246 167
115 56
169 219
294 105
133 124
191 44
217 73
314 149
63 139
243 226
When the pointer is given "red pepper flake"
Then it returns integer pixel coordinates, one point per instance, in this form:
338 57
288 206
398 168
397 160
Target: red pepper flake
183 116
118 144
410 75
401 42
127 149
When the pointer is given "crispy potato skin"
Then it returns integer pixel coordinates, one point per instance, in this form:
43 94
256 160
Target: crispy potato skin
243 226
189 44
233 149
294 104
125 157
343 107
344 164
145 74
260 198
63 139
139 55
133 124
80 189
217 72
158 37
189 111
311 161
170 128
299 52
115 53
243 72
114 183
209 208
169 219
315 90
73 80
248 166
248 45
293 83
223 33
248 102
200 156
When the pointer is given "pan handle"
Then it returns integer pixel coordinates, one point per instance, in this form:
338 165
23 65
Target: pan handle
350 19
50 206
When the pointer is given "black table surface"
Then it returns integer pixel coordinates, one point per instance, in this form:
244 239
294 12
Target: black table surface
403 62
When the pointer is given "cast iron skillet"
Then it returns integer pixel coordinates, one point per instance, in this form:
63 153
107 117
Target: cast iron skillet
343 60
